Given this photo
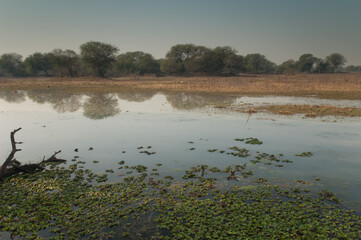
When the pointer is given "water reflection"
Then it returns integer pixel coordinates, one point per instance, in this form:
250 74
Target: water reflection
13 96
69 103
189 101
132 96
40 97
100 106
103 105
60 101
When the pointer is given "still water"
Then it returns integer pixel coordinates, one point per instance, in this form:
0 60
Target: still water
117 125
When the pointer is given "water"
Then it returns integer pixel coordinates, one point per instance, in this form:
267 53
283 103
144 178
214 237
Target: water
115 122
276 100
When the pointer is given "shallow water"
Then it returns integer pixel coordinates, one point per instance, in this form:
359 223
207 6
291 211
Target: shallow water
279 100
115 122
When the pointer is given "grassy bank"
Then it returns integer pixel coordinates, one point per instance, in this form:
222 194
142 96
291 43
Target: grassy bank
329 86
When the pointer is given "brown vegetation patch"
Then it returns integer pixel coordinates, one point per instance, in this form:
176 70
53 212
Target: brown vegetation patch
331 86
308 110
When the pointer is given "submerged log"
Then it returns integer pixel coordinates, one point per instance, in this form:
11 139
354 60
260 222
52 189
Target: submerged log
11 166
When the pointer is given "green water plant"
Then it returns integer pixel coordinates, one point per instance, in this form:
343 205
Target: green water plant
304 154
250 140
72 202
147 152
66 204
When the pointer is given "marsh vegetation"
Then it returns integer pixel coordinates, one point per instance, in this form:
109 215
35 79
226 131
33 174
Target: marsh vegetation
176 165
72 202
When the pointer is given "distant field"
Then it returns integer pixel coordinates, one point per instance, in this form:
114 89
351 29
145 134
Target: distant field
332 86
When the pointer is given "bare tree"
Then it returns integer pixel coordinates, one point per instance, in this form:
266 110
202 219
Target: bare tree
11 166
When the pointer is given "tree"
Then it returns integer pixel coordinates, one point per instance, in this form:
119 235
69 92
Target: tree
258 63
233 64
65 62
320 66
335 61
12 64
125 63
147 64
221 61
185 55
136 62
38 64
288 67
99 56
306 62
170 66
210 63
189 58
352 68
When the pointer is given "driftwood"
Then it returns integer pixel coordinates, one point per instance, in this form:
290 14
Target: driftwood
11 166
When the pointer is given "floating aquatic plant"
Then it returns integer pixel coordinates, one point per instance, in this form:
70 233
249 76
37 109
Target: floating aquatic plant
250 140
147 152
63 204
72 202
304 154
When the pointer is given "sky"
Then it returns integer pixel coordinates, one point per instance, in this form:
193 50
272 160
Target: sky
278 29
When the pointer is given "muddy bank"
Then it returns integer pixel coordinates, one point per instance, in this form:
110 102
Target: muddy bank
329 86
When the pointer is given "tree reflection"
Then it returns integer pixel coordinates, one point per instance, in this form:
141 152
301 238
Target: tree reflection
60 101
69 103
103 105
135 96
40 97
100 106
189 101
13 96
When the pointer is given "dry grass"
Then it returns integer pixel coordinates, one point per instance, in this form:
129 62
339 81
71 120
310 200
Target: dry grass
307 110
333 86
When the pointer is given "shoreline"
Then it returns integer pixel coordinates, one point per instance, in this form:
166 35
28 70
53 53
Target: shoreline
346 86
327 86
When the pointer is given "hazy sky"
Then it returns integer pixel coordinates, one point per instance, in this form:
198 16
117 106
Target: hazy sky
279 29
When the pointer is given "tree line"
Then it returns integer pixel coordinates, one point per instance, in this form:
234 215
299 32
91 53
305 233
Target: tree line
102 59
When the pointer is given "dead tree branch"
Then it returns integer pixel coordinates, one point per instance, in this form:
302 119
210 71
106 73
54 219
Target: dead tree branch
11 166
53 158
10 158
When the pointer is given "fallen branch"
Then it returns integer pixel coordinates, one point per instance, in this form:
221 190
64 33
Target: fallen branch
11 166
53 159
